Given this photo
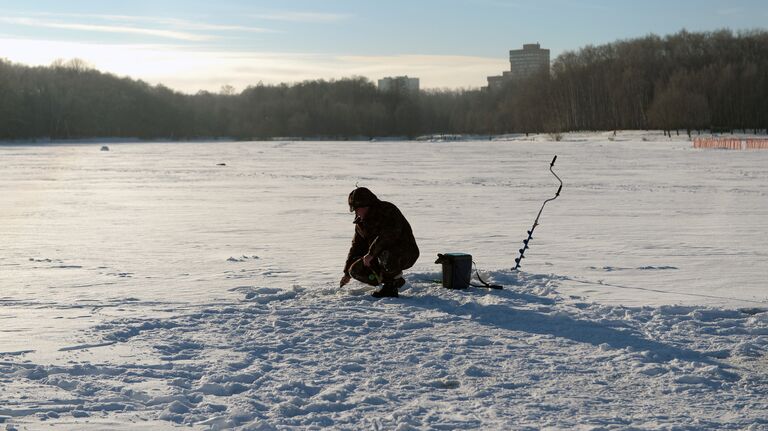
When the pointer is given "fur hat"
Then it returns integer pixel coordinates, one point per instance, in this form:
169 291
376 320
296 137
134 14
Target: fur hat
361 197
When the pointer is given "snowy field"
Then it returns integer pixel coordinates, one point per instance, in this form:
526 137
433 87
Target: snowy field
149 287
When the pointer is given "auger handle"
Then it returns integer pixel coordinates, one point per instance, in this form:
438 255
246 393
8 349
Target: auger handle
553 161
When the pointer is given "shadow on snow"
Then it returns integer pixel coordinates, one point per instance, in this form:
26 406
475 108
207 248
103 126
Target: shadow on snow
560 325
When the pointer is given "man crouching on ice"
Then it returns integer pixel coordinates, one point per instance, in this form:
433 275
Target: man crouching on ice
383 245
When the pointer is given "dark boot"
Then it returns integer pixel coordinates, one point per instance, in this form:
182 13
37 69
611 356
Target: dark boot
389 289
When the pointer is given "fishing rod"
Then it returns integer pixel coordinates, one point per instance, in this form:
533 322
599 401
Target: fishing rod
536 222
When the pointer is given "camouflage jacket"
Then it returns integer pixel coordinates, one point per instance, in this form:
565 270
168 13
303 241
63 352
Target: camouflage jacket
384 228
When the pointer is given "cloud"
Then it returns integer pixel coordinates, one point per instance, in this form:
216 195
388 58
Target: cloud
189 25
434 71
169 34
544 6
161 21
731 11
190 69
171 28
317 17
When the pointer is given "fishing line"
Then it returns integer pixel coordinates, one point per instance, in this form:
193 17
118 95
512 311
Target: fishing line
699 295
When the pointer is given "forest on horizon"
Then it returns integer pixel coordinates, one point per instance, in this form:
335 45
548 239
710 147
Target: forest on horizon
685 81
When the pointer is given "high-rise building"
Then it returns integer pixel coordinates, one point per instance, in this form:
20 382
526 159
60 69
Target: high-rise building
529 60
523 63
399 83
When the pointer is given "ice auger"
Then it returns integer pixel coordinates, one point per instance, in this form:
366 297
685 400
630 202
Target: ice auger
536 222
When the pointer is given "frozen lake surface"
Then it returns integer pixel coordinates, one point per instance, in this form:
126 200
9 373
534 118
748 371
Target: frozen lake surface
195 283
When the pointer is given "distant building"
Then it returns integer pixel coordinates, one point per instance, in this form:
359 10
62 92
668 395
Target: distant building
495 82
528 61
399 83
523 63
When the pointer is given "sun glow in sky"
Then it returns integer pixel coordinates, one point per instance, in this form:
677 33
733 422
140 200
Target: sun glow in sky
202 45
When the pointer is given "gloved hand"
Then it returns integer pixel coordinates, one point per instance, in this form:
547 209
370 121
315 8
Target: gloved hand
344 280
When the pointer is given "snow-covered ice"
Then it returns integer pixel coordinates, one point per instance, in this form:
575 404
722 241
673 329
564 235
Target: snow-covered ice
195 284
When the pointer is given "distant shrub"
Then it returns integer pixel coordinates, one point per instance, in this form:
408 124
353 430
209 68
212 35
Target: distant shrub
556 136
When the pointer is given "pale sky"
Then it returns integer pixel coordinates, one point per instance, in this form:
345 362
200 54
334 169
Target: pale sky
192 45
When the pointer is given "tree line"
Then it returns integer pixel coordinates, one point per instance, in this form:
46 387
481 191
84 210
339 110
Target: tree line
686 81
